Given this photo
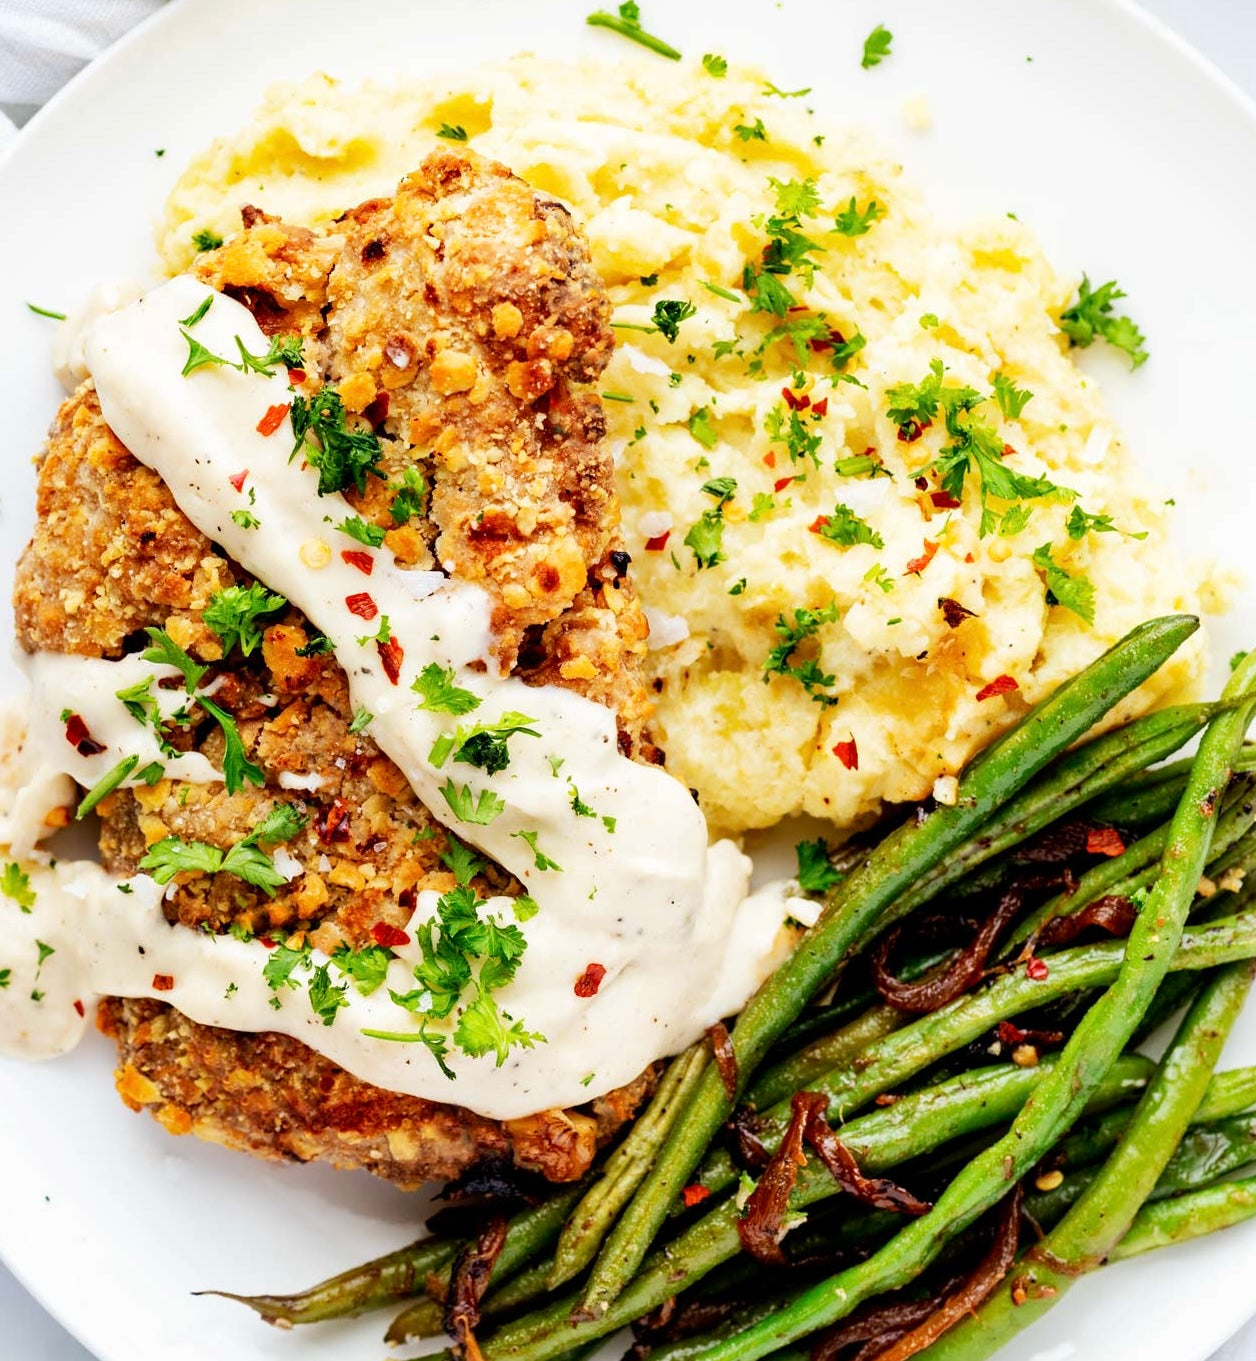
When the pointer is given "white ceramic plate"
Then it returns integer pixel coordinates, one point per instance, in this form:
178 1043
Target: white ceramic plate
1131 158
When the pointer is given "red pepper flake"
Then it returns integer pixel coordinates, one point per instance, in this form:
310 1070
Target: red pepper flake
817 525
78 1006
781 483
943 500
796 401
658 543
268 941
1000 685
237 479
1036 969
332 824
273 419
919 564
953 612
694 1195
77 735
1104 841
968 557
362 605
848 754
590 980
355 557
162 982
821 408
296 377
377 411
770 458
912 430
382 933
391 654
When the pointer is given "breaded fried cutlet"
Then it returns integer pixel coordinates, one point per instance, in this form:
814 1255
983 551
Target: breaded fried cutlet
461 321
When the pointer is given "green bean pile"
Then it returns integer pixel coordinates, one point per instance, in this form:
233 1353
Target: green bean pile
1114 1154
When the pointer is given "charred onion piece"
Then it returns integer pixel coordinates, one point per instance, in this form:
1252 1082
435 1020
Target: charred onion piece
1112 913
762 1225
879 1192
472 1268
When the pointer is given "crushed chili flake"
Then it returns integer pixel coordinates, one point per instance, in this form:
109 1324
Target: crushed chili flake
1036 969
968 557
953 612
659 542
817 525
1011 1034
590 980
361 604
355 557
770 458
781 483
912 430
237 479
162 982
848 754
820 408
377 412
918 565
794 400
273 419
943 500
694 1195
332 823
78 1006
383 933
78 736
1104 841
296 376
1000 685
268 941
391 654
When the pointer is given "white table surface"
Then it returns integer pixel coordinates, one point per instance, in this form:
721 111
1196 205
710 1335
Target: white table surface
1225 31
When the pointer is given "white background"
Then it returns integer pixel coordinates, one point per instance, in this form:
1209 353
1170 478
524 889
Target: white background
1225 31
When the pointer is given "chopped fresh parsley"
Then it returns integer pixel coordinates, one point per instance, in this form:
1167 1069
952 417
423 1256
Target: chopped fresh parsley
876 47
172 855
722 488
668 315
283 351
6 977
234 614
361 719
751 132
452 132
236 766
200 356
408 501
367 967
912 406
164 651
540 859
770 89
764 504
15 883
325 997
815 871
1073 591
627 23
437 691
714 65
1091 316
344 458
701 429
318 646
461 861
246 519
1011 399
281 824
800 438
706 538
852 222
206 239
198 313
842 526
467 806
482 744
362 530
780 660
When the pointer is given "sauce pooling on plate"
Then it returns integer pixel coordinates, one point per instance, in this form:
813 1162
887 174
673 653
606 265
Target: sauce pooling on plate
635 933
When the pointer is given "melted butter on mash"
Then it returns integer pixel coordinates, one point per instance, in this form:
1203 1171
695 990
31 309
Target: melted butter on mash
831 627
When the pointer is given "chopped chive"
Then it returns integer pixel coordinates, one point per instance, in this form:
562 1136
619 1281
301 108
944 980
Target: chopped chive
631 29
617 397
45 312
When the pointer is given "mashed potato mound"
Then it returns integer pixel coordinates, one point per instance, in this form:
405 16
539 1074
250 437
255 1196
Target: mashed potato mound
920 638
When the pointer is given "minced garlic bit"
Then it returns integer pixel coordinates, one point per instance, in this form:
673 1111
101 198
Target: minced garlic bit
946 790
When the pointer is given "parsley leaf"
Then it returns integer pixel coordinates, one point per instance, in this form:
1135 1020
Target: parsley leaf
367 967
876 47
452 133
844 527
325 997
796 198
482 1029
669 313
234 612
1073 592
479 809
752 132
482 744
912 406
1091 315
166 652
780 660
236 766
282 823
1011 399
541 860
172 855
851 222
701 429
714 65
15 883
815 871
722 488
461 861
206 239
344 458
408 501
706 538
437 691
200 356
362 530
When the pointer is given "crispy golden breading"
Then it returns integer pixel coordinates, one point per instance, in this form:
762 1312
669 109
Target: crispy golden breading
466 268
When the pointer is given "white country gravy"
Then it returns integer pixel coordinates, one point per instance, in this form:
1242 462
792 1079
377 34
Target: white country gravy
639 892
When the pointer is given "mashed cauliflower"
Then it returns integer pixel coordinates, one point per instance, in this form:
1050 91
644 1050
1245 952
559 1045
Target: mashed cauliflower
831 628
